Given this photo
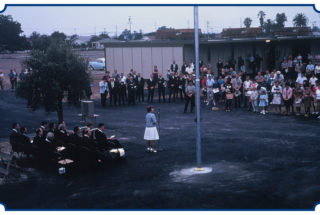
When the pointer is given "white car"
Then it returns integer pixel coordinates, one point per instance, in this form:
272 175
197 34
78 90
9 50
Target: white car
99 64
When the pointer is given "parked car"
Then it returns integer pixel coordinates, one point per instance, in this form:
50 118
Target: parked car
99 64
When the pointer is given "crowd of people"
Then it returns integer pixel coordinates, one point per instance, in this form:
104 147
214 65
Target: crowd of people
55 146
295 86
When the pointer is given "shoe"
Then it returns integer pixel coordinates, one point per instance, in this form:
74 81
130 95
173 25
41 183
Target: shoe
153 150
318 117
149 149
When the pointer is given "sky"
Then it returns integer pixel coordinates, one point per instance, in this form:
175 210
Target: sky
86 21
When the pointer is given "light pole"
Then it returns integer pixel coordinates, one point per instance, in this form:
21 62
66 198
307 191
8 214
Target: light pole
196 45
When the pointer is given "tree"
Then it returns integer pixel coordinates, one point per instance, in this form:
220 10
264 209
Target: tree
281 18
10 35
39 42
300 20
125 35
269 26
55 71
72 40
261 16
247 22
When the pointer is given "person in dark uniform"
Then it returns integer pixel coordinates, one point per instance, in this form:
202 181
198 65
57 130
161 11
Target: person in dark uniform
61 135
151 83
131 91
155 73
101 138
181 86
172 87
183 67
140 88
14 138
122 92
190 92
114 88
174 67
161 88
87 141
25 141
43 127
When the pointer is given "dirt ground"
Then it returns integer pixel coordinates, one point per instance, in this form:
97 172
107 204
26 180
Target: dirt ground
258 162
14 61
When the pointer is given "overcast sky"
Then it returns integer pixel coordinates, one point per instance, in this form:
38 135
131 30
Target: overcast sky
91 20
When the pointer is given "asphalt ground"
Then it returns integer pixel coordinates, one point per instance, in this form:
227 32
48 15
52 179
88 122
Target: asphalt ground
258 162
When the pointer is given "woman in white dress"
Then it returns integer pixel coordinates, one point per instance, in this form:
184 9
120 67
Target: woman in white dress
151 132
277 92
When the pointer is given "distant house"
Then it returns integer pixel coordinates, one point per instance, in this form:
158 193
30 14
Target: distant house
241 32
82 40
175 34
258 32
100 43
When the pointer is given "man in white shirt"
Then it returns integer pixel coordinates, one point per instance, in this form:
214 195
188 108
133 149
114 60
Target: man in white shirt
313 80
189 70
310 67
301 79
104 89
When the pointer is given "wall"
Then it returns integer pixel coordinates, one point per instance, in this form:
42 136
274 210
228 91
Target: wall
142 59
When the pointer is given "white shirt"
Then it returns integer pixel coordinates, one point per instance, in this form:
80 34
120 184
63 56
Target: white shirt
312 81
103 87
189 70
123 79
317 70
247 84
300 80
318 93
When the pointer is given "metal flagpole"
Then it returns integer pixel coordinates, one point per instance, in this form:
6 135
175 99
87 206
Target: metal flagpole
196 45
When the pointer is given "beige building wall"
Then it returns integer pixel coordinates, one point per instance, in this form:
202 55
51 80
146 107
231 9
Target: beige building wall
142 59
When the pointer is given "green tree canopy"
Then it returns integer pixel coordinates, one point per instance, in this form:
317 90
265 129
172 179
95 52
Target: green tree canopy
10 35
247 22
281 18
300 20
55 70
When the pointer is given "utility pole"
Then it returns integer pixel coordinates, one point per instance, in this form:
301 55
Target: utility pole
208 30
188 24
116 31
130 22
155 26
95 31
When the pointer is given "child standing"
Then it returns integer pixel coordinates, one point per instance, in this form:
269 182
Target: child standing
263 101
254 99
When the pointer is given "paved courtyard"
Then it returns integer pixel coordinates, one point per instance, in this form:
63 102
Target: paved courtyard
258 162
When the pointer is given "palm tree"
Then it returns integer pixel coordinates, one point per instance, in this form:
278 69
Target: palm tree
261 16
300 20
247 22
